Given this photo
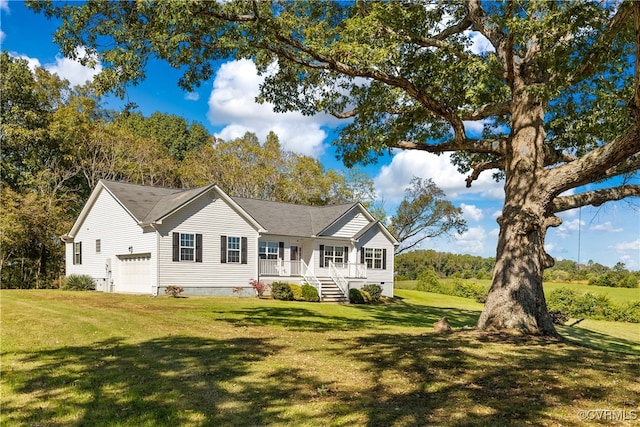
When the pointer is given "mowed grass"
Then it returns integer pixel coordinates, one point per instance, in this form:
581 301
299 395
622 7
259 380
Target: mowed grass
616 295
116 360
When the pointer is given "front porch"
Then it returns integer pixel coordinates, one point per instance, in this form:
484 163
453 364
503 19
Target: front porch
298 269
332 282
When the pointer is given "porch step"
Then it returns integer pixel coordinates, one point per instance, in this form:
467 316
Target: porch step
331 292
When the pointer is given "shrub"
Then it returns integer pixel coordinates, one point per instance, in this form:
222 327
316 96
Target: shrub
428 281
374 290
366 296
309 293
78 282
355 296
589 305
281 291
296 291
174 291
259 287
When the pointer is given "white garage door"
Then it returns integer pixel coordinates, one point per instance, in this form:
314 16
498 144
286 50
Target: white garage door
134 273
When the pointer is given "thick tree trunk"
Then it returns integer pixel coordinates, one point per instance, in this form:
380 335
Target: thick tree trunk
516 300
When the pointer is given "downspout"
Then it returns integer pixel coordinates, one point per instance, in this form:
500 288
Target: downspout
153 225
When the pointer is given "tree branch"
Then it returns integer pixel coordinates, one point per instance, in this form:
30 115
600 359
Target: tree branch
595 198
589 167
600 46
478 168
496 146
487 110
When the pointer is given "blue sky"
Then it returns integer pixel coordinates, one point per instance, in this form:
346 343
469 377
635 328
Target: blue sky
225 106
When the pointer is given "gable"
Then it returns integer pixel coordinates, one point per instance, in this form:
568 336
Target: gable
348 225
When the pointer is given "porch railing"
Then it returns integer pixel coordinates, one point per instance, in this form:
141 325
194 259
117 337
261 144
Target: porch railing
280 267
338 278
284 268
311 278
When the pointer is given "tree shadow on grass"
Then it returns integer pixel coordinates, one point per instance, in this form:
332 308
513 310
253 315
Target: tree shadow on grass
467 378
162 382
396 313
587 338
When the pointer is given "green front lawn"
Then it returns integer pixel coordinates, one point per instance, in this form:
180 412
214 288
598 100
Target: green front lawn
86 358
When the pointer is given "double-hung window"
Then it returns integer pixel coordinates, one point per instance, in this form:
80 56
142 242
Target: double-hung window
77 253
233 249
187 247
373 257
335 254
268 250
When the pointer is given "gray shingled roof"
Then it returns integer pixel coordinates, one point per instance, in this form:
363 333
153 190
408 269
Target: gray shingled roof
148 204
292 220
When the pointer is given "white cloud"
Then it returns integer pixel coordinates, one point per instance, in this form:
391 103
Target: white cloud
627 246
192 96
32 63
232 103
548 247
472 212
4 6
567 227
471 241
606 226
395 177
2 36
73 70
65 68
479 43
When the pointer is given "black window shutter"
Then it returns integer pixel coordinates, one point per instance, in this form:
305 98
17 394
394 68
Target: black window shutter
176 246
243 250
198 247
281 250
346 254
384 259
361 255
80 252
223 249
321 256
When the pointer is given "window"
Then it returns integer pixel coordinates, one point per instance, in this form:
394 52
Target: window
98 246
187 247
233 249
335 254
77 253
268 250
375 258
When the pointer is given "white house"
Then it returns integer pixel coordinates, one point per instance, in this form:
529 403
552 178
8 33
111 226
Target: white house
139 239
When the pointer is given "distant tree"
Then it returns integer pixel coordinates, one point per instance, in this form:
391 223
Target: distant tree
173 132
424 213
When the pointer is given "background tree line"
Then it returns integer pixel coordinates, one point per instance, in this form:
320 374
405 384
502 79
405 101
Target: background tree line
411 265
58 142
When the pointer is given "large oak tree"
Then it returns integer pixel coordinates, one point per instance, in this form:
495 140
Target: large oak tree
555 92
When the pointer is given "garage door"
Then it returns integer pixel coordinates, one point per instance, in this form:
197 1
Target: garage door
134 273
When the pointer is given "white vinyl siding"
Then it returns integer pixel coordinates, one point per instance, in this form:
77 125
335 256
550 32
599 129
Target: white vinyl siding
213 218
119 234
375 239
349 225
